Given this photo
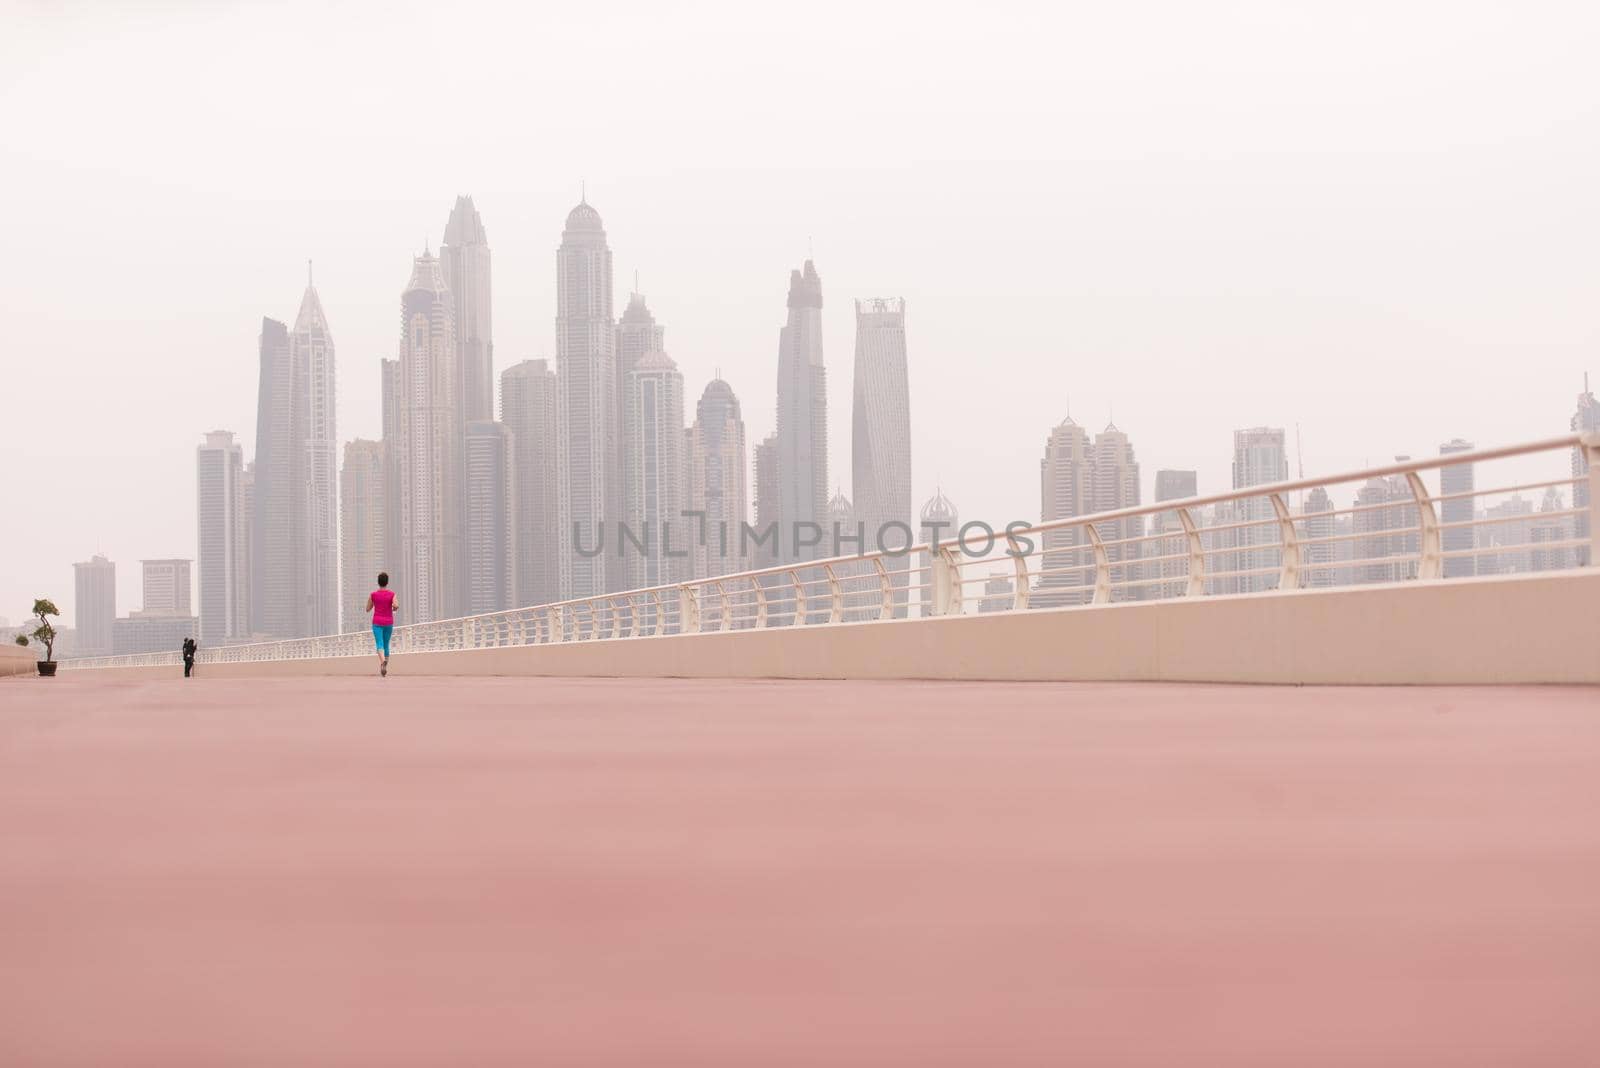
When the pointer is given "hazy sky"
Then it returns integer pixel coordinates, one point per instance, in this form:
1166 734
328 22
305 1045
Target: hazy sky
1380 221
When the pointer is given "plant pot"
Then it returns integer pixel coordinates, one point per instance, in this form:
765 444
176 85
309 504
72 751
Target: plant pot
47 668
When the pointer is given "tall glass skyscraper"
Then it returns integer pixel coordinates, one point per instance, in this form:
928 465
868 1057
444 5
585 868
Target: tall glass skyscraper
528 408
312 356
428 575
588 481
802 414
880 443
464 258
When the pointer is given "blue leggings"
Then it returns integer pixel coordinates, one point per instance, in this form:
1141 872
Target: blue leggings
380 637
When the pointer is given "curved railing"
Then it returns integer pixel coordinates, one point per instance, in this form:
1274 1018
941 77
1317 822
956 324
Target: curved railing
1255 540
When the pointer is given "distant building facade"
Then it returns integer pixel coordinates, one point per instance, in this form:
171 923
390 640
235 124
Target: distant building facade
464 259
656 550
94 606
881 434
364 517
167 587
491 509
528 394
1456 486
223 540
802 435
715 461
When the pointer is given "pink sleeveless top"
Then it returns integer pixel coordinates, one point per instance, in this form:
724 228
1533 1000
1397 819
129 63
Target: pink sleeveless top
383 608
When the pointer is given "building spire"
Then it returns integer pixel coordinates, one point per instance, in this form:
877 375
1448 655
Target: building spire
309 281
583 190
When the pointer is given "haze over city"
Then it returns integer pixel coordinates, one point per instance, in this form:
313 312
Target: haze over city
1377 225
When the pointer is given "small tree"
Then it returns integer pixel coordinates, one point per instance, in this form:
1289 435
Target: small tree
44 633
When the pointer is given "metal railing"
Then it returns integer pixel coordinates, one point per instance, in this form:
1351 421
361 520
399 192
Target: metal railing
1246 541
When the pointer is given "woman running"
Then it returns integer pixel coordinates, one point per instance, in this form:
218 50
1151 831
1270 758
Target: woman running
380 602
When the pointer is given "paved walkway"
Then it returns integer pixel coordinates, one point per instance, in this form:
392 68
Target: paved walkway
420 871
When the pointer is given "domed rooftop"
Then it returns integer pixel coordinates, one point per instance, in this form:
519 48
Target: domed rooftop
583 217
939 509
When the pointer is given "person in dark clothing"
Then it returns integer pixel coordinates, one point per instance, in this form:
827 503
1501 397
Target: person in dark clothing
189 646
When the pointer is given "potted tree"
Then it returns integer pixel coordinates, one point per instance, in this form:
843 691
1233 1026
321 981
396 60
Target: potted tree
44 634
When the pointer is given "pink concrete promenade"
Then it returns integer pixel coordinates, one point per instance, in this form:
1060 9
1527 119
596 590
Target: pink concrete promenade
423 871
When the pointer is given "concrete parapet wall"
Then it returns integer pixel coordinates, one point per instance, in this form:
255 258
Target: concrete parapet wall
16 660
1515 629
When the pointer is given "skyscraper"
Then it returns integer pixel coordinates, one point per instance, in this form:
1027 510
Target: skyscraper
1456 481
393 447
491 508
428 574
1585 420
224 540
802 415
528 407
1318 555
279 579
364 517
94 607
881 432
768 504
1171 485
1116 486
1066 489
636 334
1259 458
166 585
311 345
464 259
656 478
589 476
716 469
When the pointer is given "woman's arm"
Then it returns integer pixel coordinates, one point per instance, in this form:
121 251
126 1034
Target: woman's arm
369 602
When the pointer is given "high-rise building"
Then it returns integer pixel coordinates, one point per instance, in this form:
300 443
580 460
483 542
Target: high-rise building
763 546
715 462
145 632
312 355
1388 553
363 522
1508 530
938 521
802 417
1066 489
589 476
491 509
528 408
1171 551
658 536
428 574
1585 420
1116 486
637 333
166 585
1456 485
1550 534
1319 553
881 434
464 259
279 579
999 592
393 447
224 540
95 606
1259 459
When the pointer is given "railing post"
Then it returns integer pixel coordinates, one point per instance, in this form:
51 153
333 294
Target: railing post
1197 555
1102 567
835 595
761 603
1428 522
724 623
1289 549
1019 565
688 610
946 582
885 589
799 598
